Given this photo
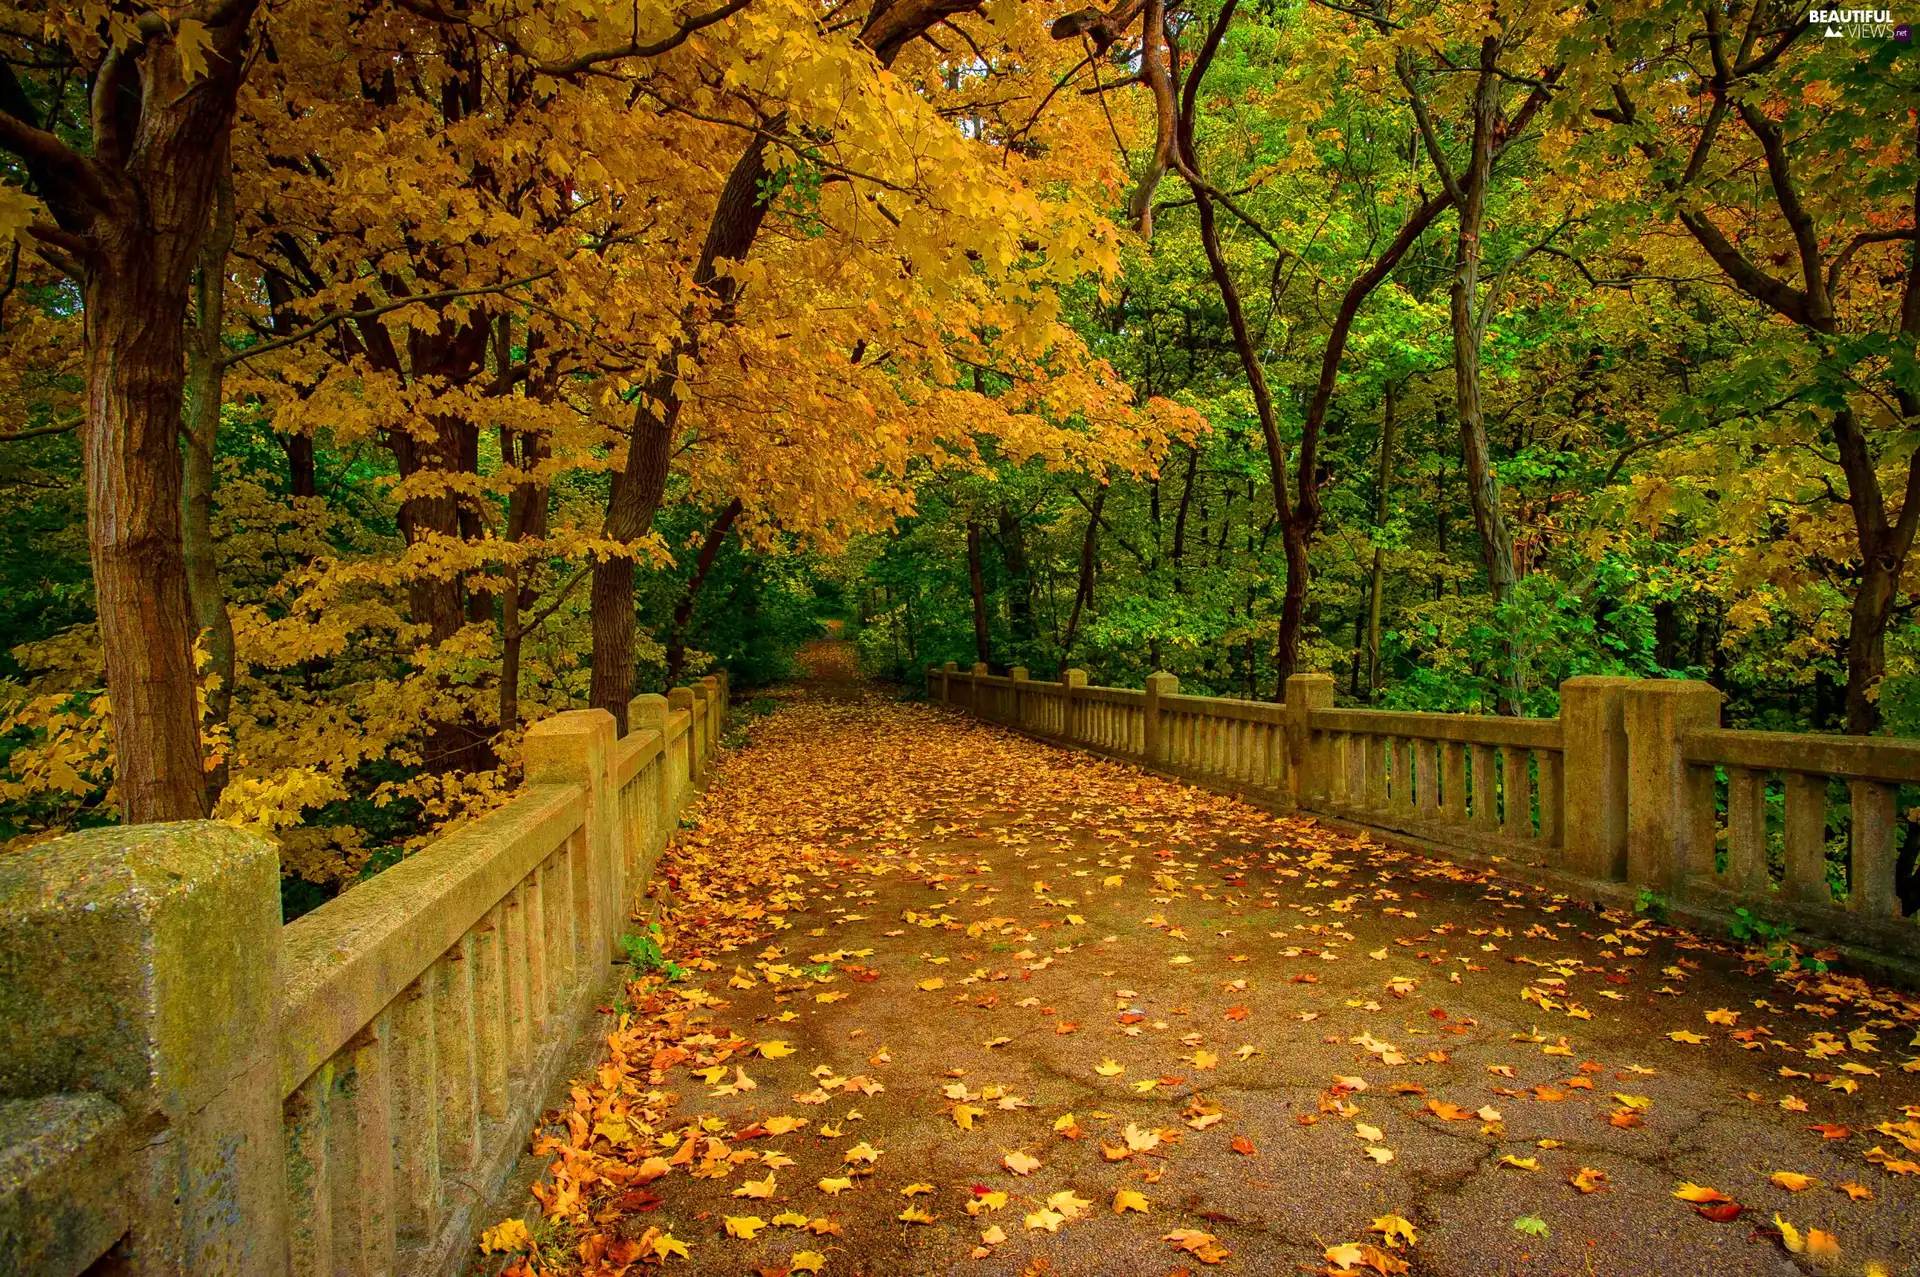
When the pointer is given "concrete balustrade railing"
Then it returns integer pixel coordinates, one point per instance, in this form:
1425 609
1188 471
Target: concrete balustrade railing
1634 786
190 1086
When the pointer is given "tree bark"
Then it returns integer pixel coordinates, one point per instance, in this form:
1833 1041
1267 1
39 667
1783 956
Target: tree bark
1381 505
1083 595
982 653
1013 549
130 219
639 487
1483 485
683 610
528 503
204 397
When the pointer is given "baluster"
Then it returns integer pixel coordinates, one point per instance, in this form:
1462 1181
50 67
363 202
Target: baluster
539 996
360 1154
1516 789
1427 779
1746 830
490 1012
1485 788
309 1190
1870 884
585 961
416 1114
459 1077
1806 867
1376 748
1553 797
1400 785
556 903
517 981
1453 783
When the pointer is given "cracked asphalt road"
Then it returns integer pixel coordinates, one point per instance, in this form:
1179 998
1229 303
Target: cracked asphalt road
1319 1031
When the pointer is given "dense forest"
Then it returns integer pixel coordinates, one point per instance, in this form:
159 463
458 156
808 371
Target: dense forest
382 375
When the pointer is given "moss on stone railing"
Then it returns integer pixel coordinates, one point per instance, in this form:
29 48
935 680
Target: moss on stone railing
1634 788
192 1086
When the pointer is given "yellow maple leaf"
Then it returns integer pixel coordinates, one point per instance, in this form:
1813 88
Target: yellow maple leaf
743 1226
1127 1199
507 1235
1394 1230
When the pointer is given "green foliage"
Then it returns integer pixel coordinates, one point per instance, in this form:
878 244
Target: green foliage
1651 904
646 955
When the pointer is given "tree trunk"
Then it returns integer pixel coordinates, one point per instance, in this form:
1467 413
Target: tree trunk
1083 595
1013 550
683 610
204 396
129 219
1483 486
135 297
1180 518
1388 424
527 509
637 491
301 479
981 650
638 488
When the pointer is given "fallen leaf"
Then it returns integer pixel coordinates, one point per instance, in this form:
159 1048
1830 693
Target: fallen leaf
1020 1163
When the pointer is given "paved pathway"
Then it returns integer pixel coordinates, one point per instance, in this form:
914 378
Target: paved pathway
952 996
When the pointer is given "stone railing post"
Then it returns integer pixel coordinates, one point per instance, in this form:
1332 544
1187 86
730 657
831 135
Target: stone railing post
1159 684
1670 814
1306 769
947 672
648 713
1593 775
681 698
1069 680
576 748
1019 675
141 964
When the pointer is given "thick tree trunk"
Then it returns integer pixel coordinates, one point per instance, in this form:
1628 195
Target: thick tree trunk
982 652
1381 505
683 609
135 297
204 396
637 492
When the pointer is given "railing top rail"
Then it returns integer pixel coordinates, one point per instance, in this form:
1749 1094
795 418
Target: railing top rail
632 753
1226 707
1470 729
1113 695
1848 757
345 961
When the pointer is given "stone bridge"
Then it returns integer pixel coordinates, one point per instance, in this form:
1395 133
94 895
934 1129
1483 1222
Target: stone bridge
1036 978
